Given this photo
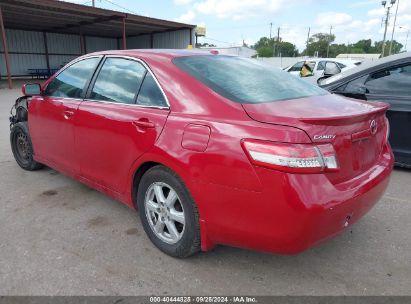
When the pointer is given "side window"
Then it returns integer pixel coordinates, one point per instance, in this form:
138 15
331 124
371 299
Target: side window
150 94
354 86
296 67
391 81
118 81
331 68
341 65
321 66
70 82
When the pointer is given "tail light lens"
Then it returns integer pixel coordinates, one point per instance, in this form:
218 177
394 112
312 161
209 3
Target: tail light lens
293 158
387 133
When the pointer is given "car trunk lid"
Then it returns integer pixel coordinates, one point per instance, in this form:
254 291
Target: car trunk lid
356 129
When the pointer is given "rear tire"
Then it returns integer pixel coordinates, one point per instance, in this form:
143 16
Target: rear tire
168 213
22 147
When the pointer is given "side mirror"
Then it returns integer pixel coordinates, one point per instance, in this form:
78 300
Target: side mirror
320 80
331 69
359 90
31 89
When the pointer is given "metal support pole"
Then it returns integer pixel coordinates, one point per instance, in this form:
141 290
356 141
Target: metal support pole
46 49
82 44
6 50
124 34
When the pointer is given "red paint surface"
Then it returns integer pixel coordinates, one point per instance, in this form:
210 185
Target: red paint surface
240 204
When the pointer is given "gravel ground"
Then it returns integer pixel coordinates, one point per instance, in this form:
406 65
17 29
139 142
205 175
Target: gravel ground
59 237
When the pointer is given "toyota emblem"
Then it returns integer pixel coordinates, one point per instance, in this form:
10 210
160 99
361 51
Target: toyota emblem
373 127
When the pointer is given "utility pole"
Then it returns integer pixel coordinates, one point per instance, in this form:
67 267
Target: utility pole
329 41
93 3
385 32
406 40
387 18
308 39
393 28
271 28
278 40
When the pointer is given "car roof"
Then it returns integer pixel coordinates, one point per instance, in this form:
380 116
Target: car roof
150 53
369 65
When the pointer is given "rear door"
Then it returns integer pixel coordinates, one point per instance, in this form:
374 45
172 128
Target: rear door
52 115
121 118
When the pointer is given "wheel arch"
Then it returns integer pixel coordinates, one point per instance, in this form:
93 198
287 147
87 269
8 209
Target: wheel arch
151 160
138 174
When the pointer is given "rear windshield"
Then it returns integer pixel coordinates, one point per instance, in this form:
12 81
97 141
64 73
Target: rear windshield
246 80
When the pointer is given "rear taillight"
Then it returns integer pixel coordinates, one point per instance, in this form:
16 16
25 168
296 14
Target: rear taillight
387 132
293 158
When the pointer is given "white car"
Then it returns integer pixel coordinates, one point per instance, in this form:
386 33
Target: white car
318 66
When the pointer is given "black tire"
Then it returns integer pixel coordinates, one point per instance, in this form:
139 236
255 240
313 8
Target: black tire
189 243
22 147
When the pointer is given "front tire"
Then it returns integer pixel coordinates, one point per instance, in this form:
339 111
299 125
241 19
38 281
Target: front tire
22 147
168 213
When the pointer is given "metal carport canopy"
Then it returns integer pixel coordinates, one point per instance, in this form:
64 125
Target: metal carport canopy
51 16
63 17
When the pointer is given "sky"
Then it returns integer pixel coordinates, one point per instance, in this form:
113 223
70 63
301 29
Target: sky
230 22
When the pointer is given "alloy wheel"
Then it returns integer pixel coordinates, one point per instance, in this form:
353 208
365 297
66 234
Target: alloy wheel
165 213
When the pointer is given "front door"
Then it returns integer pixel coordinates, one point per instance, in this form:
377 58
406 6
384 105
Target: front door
121 118
52 116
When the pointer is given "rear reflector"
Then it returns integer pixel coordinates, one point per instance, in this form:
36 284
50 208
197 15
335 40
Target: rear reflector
293 158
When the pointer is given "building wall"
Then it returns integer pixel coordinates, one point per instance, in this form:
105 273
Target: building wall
169 40
138 42
95 44
28 49
172 40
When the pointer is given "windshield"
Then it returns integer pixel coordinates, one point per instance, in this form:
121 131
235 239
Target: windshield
246 80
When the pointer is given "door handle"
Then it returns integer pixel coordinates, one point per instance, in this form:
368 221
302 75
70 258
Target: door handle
143 123
68 114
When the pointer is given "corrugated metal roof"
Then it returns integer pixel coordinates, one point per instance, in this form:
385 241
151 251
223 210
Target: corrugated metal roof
63 17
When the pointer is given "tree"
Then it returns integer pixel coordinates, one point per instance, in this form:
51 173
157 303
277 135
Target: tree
396 47
287 49
267 47
365 45
200 45
318 44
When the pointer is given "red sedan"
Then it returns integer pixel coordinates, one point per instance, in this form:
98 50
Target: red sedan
210 149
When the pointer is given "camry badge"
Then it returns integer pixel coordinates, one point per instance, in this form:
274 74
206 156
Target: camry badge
319 137
373 127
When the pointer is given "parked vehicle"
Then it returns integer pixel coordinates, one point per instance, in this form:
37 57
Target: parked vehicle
389 80
210 149
318 67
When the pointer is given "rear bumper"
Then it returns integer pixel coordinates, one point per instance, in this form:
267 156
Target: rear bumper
293 212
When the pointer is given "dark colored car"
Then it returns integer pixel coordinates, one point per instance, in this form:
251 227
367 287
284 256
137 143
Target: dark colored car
210 149
388 80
